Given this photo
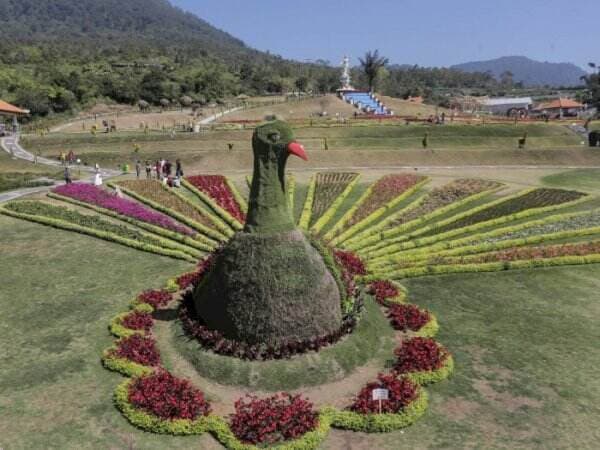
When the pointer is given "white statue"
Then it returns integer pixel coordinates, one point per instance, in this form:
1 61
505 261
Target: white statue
345 78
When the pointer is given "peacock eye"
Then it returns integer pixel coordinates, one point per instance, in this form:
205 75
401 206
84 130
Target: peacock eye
274 137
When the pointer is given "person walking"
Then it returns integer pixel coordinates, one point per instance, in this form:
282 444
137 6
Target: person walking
67 175
168 168
63 158
138 169
178 168
158 171
148 170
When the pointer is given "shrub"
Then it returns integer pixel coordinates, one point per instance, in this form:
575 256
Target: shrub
165 396
155 298
402 392
382 290
408 317
138 320
272 420
139 349
351 262
419 354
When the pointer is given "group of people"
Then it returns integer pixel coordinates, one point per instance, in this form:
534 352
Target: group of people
161 170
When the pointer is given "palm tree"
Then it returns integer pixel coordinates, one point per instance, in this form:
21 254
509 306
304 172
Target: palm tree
371 65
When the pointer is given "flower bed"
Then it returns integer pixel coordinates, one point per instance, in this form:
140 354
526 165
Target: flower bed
138 349
167 397
273 420
99 197
402 392
153 190
329 185
383 191
408 317
217 188
423 360
536 198
138 320
443 196
192 278
351 262
155 297
387 292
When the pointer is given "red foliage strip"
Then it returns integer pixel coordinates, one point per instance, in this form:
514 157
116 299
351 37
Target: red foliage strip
165 396
383 289
272 420
351 262
540 252
193 278
216 188
155 298
419 354
139 349
402 392
408 317
137 320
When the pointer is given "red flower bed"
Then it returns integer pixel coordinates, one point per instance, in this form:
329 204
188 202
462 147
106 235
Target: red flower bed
272 420
138 321
139 349
156 298
383 289
192 278
408 317
351 262
216 188
402 392
419 354
165 396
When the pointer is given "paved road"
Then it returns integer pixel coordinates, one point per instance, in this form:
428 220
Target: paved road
11 145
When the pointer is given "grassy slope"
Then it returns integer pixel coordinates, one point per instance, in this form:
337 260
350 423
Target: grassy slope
584 179
59 290
526 356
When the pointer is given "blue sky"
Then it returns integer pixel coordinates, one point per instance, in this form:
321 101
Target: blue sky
424 32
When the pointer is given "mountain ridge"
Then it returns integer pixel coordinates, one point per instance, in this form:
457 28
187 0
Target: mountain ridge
528 71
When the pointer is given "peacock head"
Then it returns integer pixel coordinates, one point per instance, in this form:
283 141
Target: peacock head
274 142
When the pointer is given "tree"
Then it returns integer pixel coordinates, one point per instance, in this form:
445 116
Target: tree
301 83
506 79
371 65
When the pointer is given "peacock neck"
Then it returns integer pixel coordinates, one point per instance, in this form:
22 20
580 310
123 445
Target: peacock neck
268 210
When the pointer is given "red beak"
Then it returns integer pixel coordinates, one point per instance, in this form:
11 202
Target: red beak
297 149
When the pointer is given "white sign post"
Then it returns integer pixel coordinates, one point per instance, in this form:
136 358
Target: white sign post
381 394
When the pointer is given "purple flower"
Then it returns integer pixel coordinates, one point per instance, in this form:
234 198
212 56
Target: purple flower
91 194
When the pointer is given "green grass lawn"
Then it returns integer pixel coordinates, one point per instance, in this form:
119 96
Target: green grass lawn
525 344
585 179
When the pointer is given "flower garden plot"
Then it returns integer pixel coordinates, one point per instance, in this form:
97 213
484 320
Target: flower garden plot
94 222
99 197
329 186
439 201
537 198
217 188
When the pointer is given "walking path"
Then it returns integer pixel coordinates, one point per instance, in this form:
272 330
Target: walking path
11 145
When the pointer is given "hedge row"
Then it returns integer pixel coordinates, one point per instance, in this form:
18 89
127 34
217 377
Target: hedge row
423 258
228 218
201 244
333 208
110 237
430 329
306 215
201 228
483 267
376 215
421 242
239 198
124 366
383 238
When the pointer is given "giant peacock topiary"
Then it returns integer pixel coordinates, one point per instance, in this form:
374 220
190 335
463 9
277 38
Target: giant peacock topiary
269 284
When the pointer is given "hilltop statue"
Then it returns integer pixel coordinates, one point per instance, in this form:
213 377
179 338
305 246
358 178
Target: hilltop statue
345 78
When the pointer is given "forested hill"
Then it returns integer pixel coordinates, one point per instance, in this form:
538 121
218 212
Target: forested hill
114 24
528 71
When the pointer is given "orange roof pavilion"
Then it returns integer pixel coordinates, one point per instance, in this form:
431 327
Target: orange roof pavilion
561 103
7 108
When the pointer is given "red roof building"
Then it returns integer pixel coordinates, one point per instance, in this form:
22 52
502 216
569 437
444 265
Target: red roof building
7 108
560 107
